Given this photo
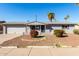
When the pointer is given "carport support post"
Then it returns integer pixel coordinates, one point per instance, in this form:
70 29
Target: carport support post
40 29
26 28
4 29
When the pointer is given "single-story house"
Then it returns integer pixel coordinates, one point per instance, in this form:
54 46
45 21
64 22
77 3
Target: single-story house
26 27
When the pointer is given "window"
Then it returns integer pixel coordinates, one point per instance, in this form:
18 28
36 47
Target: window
37 27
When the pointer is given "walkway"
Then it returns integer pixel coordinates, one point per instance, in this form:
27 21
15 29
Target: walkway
43 51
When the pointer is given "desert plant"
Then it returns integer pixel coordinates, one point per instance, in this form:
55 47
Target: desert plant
76 31
59 33
34 33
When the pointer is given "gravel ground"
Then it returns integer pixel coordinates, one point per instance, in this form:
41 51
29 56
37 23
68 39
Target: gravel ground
48 40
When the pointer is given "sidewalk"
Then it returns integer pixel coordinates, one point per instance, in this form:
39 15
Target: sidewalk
39 51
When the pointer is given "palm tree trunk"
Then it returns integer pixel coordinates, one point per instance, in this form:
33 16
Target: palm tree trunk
50 20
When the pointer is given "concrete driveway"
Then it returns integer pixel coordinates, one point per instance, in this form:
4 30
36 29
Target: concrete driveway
5 37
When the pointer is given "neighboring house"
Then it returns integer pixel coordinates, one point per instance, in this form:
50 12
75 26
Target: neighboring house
77 26
42 27
1 26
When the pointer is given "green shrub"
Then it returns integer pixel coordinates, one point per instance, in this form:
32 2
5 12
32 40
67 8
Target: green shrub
76 31
58 32
34 33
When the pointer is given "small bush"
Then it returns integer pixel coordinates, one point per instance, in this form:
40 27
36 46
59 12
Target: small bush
76 31
59 33
34 33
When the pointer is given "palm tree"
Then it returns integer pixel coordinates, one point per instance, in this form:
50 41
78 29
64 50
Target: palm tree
66 17
77 4
51 16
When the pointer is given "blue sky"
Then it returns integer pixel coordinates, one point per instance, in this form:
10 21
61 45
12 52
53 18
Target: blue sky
22 12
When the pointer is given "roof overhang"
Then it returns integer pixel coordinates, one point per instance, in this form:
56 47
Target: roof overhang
36 23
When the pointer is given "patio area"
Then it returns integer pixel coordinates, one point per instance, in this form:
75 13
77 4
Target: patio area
44 40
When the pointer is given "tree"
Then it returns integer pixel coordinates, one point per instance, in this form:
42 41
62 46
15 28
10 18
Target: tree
77 4
51 16
66 17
